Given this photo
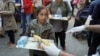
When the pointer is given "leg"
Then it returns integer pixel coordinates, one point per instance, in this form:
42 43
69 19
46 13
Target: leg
62 39
72 10
28 18
89 39
23 24
95 43
11 38
56 36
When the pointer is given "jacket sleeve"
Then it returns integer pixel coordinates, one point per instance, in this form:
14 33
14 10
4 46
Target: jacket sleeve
68 8
91 8
96 12
11 10
52 35
28 32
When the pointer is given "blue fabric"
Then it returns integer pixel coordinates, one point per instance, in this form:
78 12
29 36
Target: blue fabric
25 20
17 1
96 13
91 8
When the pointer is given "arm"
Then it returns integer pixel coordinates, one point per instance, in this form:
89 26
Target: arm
68 8
11 9
94 28
56 51
52 35
28 32
62 53
91 8
96 12
88 20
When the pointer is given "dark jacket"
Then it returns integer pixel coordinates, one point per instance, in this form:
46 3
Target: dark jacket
91 8
96 13
46 31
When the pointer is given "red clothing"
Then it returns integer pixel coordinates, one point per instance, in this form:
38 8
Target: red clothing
46 2
27 6
75 2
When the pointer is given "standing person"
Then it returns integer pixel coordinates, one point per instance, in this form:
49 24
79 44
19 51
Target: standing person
9 22
91 8
93 27
60 7
96 21
26 6
41 27
74 4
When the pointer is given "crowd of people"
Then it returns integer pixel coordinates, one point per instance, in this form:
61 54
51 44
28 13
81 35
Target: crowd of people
50 28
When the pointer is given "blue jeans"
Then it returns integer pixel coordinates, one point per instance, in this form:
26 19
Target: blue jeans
25 20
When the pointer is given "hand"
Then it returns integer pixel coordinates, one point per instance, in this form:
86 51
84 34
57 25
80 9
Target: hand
51 50
76 29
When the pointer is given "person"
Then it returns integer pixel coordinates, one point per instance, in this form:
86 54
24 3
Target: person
96 40
41 27
59 7
9 23
91 8
26 6
73 4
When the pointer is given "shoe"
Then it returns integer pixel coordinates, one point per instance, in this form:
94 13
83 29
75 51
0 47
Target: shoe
22 34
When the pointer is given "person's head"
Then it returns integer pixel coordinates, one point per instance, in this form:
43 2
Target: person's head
58 1
42 14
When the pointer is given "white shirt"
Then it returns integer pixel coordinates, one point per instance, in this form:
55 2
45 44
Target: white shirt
38 3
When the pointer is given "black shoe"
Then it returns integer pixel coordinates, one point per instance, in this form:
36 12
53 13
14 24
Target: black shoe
22 34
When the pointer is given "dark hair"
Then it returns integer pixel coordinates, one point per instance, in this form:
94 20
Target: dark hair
38 10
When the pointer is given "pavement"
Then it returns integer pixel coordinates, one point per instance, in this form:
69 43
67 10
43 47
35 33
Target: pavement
73 45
